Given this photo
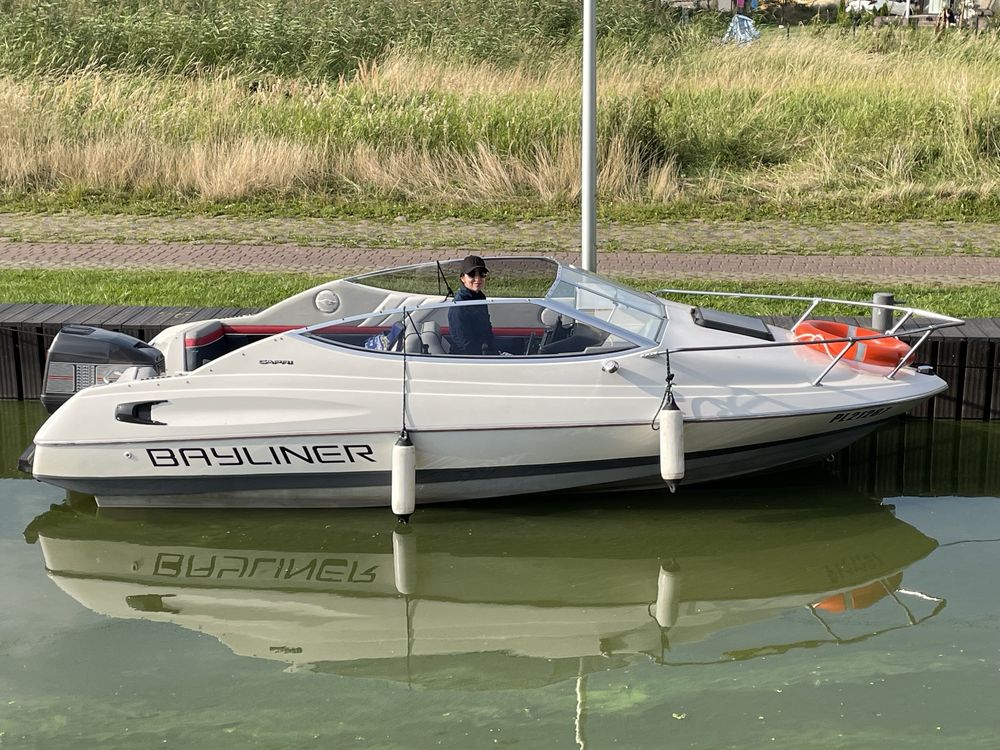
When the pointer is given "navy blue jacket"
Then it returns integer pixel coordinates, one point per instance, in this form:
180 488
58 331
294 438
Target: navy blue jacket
469 325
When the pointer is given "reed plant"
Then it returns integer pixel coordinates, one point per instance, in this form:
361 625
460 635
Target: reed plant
473 105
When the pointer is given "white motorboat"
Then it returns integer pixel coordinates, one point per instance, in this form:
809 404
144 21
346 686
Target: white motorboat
303 404
506 597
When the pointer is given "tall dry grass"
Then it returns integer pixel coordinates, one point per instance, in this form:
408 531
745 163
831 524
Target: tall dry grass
808 119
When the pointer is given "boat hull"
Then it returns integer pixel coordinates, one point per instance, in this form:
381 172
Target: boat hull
452 466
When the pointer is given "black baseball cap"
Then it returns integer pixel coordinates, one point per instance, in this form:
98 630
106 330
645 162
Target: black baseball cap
471 262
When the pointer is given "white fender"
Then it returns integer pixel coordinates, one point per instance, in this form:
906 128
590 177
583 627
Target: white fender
667 604
404 477
404 562
671 443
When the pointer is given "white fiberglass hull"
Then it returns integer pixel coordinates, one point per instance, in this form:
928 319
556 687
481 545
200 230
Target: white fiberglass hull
355 470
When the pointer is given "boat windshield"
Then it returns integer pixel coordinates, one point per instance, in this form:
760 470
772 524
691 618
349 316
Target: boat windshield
534 278
516 277
605 300
531 277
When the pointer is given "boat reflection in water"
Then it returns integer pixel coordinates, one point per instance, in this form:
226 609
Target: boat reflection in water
498 596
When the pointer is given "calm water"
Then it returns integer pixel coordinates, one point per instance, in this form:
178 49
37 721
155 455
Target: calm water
845 606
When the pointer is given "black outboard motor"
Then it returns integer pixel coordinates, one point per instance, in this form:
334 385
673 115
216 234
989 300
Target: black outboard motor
83 355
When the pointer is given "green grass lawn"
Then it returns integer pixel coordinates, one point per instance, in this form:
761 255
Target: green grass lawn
228 289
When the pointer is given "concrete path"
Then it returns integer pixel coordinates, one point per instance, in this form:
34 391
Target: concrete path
909 252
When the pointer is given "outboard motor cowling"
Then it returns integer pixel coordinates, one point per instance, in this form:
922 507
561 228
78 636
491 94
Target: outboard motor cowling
81 356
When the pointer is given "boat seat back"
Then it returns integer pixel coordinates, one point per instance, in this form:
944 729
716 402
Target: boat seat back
203 343
412 342
577 338
427 341
430 334
550 318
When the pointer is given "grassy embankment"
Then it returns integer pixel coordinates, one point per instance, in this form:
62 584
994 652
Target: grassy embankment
226 289
471 109
441 108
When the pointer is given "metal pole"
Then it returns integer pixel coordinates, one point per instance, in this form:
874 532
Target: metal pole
588 141
882 318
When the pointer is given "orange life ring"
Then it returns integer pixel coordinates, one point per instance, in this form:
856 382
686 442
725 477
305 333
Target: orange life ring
861 597
887 352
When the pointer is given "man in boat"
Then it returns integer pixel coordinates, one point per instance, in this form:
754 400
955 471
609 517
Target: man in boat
471 331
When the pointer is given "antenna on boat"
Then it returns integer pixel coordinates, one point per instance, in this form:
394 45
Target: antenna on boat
442 277
403 493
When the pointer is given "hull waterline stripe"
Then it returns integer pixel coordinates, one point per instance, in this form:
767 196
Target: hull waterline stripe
207 484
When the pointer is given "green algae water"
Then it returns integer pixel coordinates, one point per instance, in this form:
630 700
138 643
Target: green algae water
847 605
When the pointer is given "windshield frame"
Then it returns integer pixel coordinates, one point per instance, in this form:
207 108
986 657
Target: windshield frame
618 295
641 305
636 340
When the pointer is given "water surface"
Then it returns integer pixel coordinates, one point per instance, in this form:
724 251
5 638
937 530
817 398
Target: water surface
850 605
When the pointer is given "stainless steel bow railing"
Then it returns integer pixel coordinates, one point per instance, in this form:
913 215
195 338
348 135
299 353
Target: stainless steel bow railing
913 322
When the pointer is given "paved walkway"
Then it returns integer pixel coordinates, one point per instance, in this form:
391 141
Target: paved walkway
914 252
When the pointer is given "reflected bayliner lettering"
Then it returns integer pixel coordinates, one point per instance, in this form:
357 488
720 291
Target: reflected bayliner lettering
271 455
324 569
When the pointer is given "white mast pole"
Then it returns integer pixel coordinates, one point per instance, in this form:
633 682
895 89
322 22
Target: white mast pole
588 144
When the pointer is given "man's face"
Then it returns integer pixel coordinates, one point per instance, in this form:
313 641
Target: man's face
474 280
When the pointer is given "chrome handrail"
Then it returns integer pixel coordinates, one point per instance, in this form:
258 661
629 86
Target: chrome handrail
936 322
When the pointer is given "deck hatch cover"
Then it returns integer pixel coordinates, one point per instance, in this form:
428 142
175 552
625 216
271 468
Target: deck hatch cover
731 323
